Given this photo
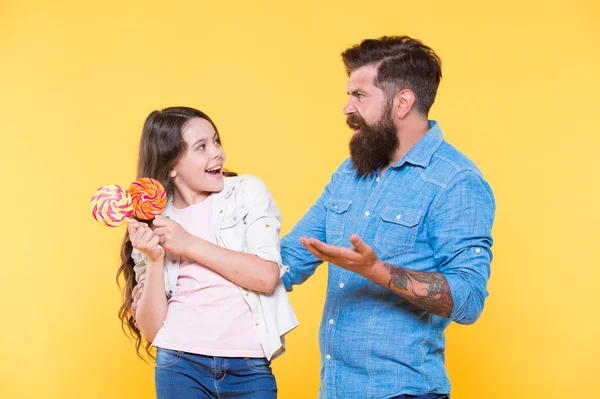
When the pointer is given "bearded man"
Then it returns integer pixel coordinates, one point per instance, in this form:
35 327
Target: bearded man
405 225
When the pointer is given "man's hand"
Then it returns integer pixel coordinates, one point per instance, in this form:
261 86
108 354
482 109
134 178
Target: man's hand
360 259
429 291
173 237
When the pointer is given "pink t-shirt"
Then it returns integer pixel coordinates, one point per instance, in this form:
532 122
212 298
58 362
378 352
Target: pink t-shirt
206 314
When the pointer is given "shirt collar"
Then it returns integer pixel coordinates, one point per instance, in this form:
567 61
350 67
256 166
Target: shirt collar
423 151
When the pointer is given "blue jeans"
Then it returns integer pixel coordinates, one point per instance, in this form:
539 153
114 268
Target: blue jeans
182 375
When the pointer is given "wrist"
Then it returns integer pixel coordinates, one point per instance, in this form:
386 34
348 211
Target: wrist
372 272
157 260
189 244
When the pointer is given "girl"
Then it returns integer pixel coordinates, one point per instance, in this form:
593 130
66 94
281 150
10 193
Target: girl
212 300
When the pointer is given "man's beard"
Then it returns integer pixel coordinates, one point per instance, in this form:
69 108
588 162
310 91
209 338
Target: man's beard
373 146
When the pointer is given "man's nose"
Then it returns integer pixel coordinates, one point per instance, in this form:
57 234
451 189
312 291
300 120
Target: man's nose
349 108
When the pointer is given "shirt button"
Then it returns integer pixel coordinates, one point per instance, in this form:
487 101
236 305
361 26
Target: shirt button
341 285
256 324
377 180
330 321
398 217
367 213
245 293
328 357
477 250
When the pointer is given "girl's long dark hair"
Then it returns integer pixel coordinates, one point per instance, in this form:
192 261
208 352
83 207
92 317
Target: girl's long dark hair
161 147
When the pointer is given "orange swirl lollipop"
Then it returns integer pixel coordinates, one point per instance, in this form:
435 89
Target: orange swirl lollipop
111 205
149 198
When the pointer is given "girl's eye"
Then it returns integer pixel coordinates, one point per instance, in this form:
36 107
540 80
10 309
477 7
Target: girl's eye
201 147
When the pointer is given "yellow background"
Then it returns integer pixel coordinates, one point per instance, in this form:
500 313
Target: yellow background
77 79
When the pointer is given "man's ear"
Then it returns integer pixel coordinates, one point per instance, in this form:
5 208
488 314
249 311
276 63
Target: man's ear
403 103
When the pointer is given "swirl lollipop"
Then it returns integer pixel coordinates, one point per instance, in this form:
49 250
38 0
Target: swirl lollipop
149 198
111 205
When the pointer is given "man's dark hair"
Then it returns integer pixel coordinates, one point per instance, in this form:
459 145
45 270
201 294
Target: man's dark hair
402 63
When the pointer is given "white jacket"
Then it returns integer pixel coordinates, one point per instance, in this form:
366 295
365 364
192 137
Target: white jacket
244 219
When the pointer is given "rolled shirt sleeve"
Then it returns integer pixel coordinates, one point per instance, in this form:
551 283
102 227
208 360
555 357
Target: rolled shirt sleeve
461 238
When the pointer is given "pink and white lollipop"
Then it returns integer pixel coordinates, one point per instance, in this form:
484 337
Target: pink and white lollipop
111 205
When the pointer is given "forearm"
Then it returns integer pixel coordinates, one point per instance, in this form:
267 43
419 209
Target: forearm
302 264
428 291
246 270
152 308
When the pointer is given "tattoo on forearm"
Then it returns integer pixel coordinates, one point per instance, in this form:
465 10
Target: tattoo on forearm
429 291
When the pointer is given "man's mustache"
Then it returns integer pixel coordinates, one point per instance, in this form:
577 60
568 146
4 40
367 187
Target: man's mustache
355 121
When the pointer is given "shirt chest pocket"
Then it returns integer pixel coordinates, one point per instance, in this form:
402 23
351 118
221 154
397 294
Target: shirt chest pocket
397 231
337 213
233 229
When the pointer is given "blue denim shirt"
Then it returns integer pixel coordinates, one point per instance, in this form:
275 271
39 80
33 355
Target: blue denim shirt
430 212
